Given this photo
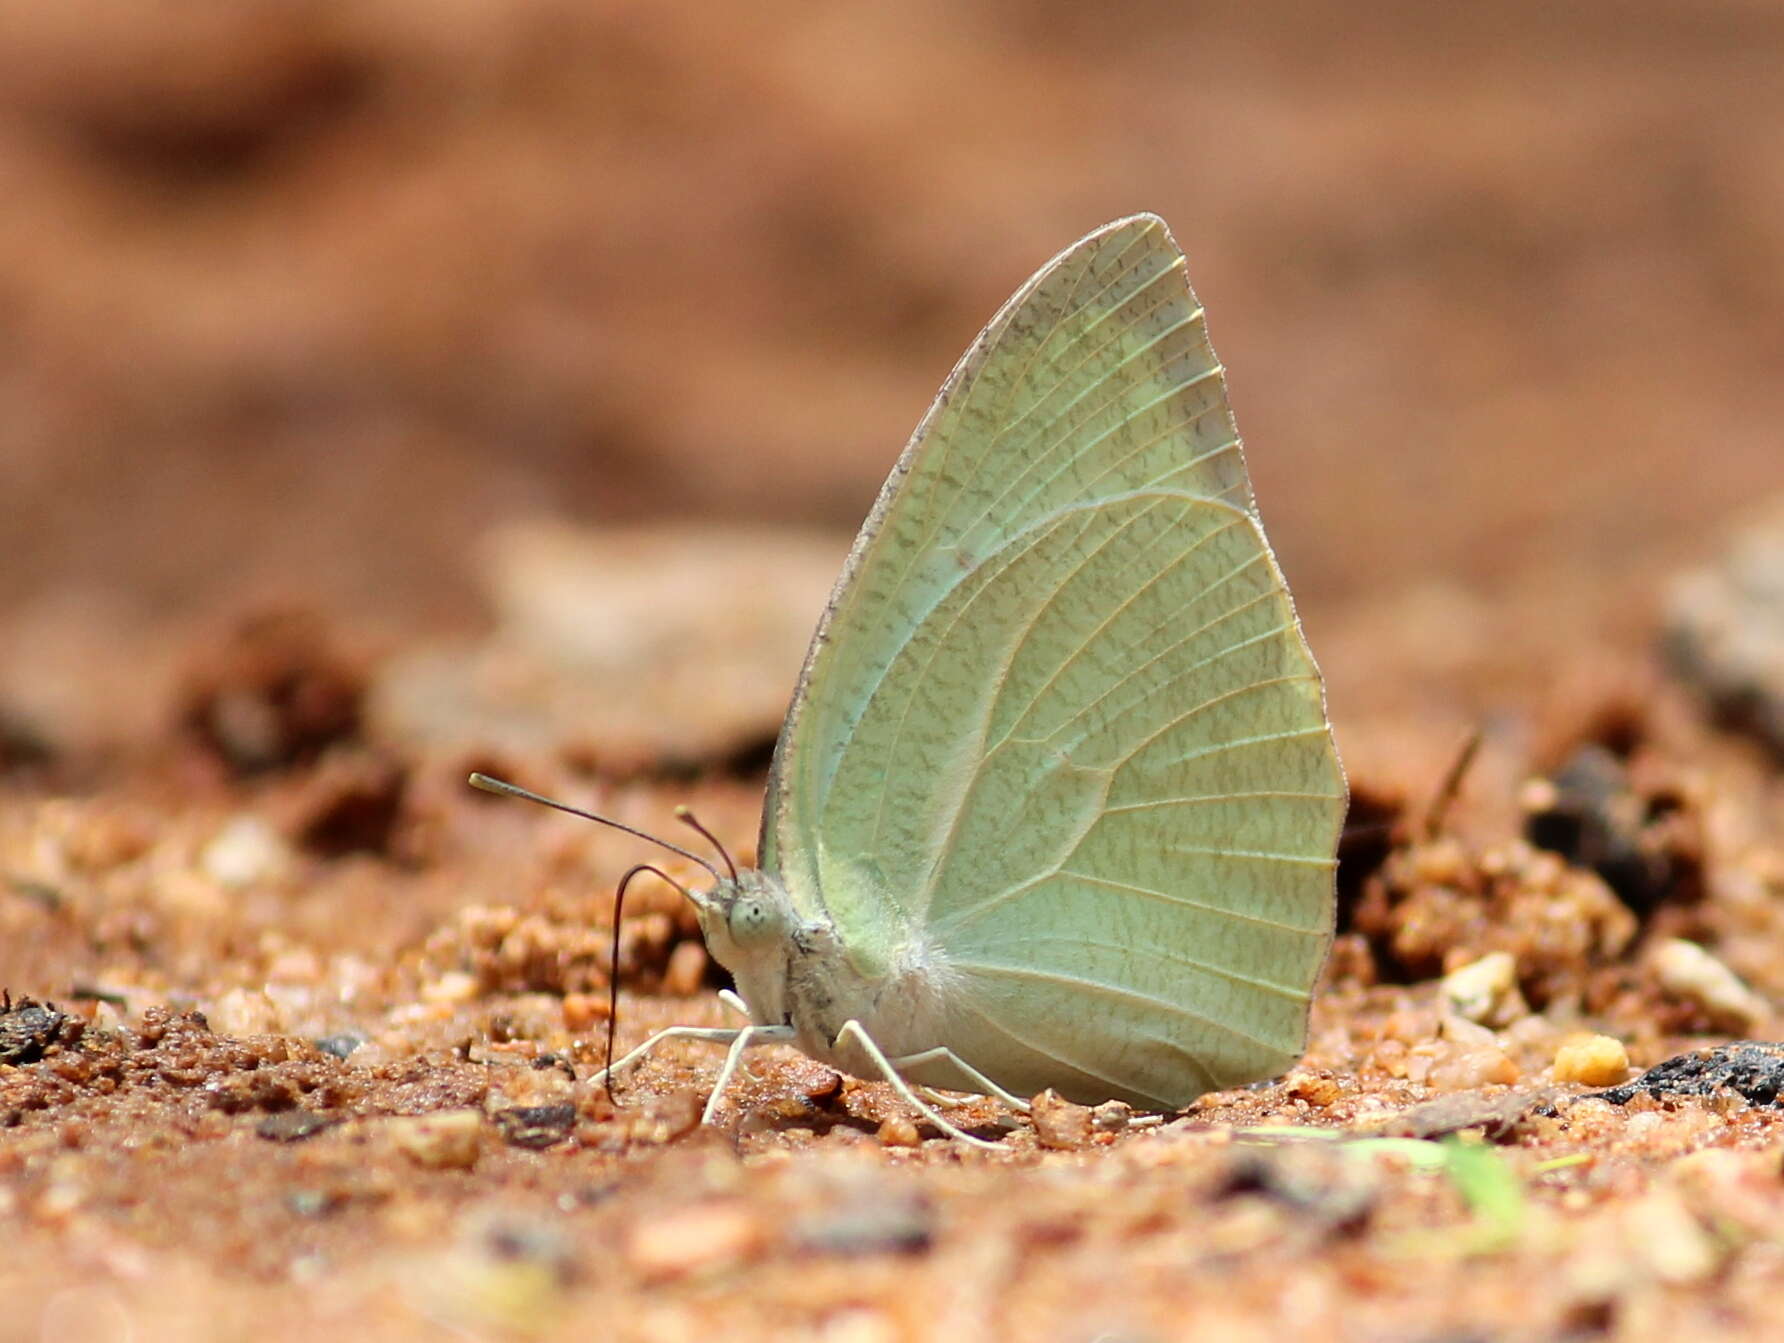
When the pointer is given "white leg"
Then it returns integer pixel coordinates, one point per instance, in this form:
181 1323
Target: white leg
942 1101
983 1084
858 1033
711 1034
749 1035
736 1004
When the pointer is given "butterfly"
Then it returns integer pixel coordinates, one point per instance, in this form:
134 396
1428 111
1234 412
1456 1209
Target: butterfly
1056 803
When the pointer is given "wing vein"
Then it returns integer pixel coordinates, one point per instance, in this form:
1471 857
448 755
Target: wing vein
1096 987
1053 1051
1173 390
1125 604
971 912
1163 653
1035 460
1184 672
1221 797
1258 739
1162 954
1251 855
947 846
941 645
1067 307
1208 704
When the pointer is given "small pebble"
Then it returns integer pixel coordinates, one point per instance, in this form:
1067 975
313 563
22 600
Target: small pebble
1474 1066
1735 1191
61 1199
449 1140
453 987
246 852
1592 1060
244 1011
1461 1031
1439 862
341 1045
666 1118
1318 1089
1058 1123
292 1126
1486 990
1114 1116
582 1011
899 1131
1687 971
700 1239
823 1088
106 841
534 1086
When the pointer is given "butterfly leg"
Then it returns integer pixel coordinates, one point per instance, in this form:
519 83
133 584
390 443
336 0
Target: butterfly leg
717 1035
855 1031
942 1101
749 1035
980 1083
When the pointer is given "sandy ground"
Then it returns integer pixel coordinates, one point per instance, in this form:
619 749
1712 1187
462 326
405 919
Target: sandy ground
393 391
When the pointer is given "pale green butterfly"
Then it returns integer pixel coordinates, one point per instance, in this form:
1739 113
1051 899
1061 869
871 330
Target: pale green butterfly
1056 803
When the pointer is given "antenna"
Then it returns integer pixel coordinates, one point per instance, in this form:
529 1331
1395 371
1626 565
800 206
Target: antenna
504 789
619 903
684 815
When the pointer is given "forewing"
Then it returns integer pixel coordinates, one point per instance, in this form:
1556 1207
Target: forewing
1059 735
1094 379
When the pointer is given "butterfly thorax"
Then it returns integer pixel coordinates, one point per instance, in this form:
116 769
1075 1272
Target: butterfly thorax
793 970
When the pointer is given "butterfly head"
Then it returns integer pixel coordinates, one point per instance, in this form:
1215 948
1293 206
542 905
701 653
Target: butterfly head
749 927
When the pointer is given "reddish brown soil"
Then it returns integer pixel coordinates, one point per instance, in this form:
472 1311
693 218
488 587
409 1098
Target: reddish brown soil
317 325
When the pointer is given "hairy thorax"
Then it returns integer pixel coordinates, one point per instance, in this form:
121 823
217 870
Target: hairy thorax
795 971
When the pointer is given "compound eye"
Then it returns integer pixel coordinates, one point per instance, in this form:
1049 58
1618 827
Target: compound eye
750 920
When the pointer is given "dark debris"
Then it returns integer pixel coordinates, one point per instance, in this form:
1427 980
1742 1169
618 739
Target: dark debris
1725 632
1644 843
536 1127
1753 1069
30 1029
275 692
352 803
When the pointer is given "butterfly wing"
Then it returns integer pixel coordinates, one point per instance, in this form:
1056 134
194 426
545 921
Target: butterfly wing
1058 730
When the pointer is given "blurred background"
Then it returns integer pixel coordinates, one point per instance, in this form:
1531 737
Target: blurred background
300 304
394 388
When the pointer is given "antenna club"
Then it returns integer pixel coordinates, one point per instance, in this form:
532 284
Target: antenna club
693 822
488 785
